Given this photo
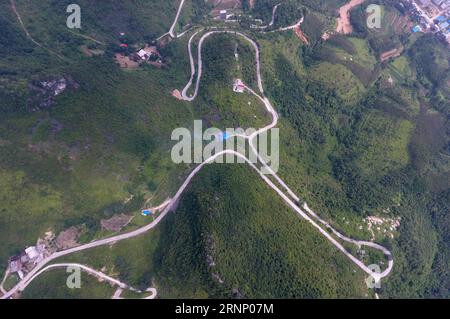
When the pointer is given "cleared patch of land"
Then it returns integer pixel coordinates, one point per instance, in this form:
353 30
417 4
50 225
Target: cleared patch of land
125 62
344 26
116 223
68 238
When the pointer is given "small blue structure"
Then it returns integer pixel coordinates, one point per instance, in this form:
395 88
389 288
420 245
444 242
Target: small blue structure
440 18
146 212
416 29
225 136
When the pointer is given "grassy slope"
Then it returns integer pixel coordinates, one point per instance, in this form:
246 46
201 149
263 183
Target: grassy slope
165 269
53 284
268 253
347 156
369 152
114 124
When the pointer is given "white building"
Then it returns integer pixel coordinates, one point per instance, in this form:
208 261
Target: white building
32 252
238 86
35 254
223 14
144 55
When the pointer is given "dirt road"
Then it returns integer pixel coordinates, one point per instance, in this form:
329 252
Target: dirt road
19 18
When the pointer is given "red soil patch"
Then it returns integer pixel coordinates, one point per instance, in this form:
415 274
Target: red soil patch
301 35
177 94
391 54
344 26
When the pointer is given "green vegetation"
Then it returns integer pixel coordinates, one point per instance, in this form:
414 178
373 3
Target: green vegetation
359 137
318 15
219 105
385 143
24 202
265 235
394 31
77 159
53 285
372 151
259 247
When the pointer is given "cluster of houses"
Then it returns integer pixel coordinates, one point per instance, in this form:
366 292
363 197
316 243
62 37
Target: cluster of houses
149 53
225 16
433 15
24 262
443 24
442 4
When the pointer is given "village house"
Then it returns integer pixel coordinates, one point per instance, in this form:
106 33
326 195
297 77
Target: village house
143 55
238 86
27 260
148 52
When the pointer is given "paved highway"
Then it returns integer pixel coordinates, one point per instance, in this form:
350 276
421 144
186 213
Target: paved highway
274 10
174 24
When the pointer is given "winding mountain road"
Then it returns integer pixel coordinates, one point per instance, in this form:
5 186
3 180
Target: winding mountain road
174 24
274 11
377 277
291 199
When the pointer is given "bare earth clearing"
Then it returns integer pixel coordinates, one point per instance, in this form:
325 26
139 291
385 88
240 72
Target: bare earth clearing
125 62
344 26
116 223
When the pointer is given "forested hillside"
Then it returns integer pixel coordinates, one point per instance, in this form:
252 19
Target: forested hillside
361 135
